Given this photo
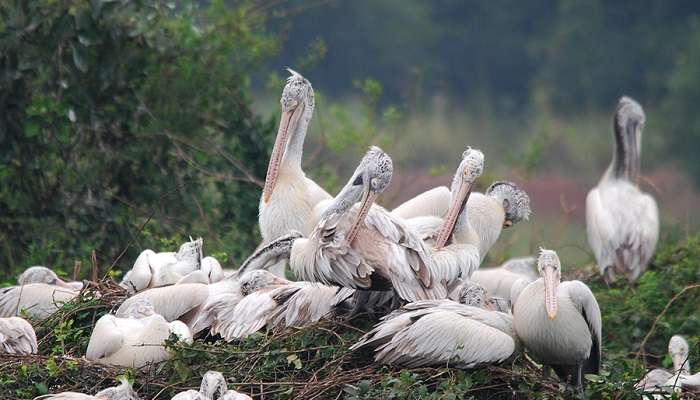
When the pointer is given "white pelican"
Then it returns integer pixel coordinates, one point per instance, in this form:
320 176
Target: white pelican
17 336
289 197
38 300
499 281
136 340
122 392
41 274
443 332
213 387
284 304
623 222
559 323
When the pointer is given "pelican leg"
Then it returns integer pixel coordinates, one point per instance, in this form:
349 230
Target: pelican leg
579 379
361 299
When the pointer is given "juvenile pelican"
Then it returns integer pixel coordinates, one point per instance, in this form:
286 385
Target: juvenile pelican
213 387
559 323
289 197
17 336
679 378
439 332
41 274
623 222
136 340
122 392
153 269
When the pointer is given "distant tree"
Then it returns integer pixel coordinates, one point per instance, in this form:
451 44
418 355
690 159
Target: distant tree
113 112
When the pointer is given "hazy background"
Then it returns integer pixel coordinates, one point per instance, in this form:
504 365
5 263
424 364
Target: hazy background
128 126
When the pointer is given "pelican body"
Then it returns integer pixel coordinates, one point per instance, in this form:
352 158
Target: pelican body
289 197
559 323
17 336
623 222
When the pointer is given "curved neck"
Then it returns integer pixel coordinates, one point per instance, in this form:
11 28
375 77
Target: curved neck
295 144
485 218
625 162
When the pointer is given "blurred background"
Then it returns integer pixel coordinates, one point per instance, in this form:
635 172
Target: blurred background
133 124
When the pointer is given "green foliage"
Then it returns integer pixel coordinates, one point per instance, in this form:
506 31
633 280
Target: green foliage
118 113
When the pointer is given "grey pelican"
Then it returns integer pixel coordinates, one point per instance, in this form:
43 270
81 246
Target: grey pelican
17 336
623 222
213 387
499 281
679 378
153 269
440 332
289 197
122 392
559 323
41 274
134 341
277 306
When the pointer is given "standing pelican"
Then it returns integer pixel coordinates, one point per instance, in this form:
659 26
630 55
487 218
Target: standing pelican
134 341
439 332
289 197
213 387
17 336
122 392
623 222
559 323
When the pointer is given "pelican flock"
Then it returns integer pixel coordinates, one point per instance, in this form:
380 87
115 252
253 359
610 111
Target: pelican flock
417 268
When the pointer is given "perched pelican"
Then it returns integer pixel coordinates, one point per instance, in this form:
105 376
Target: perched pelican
41 274
38 300
440 332
559 323
677 379
623 222
136 340
278 306
213 387
499 281
153 269
122 392
289 197
17 336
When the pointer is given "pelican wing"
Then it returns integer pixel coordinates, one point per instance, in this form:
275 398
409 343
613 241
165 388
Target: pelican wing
654 379
445 337
219 307
585 301
308 304
456 261
107 337
39 300
427 227
250 315
431 203
17 336
172 302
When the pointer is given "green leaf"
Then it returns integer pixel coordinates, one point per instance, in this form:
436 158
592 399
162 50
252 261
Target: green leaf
78 59
31 129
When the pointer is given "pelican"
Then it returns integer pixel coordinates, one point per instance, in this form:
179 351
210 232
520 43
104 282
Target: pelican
122 392
213 387
440 332
289 197
209 272
277 306
17 336
499 281
153 269
559 323
38 300
677 379
623 222
431 203
134 341
41 274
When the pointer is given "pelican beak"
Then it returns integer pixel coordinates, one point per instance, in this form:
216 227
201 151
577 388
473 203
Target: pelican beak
368 198
278 281
288 123
60 282
507 223
551 284
459 201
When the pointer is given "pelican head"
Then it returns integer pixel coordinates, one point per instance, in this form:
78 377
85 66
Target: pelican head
471 168
472 294
213 385
678 350
628 125
124 391
191 251
297 96
40 274
140 308
516 203
212 269
549 268
371 178
255 280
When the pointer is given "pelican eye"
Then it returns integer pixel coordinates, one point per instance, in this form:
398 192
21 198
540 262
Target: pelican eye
358 181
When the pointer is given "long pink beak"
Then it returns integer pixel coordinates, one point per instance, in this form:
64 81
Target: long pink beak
366 204
448 225
551 284
288 123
